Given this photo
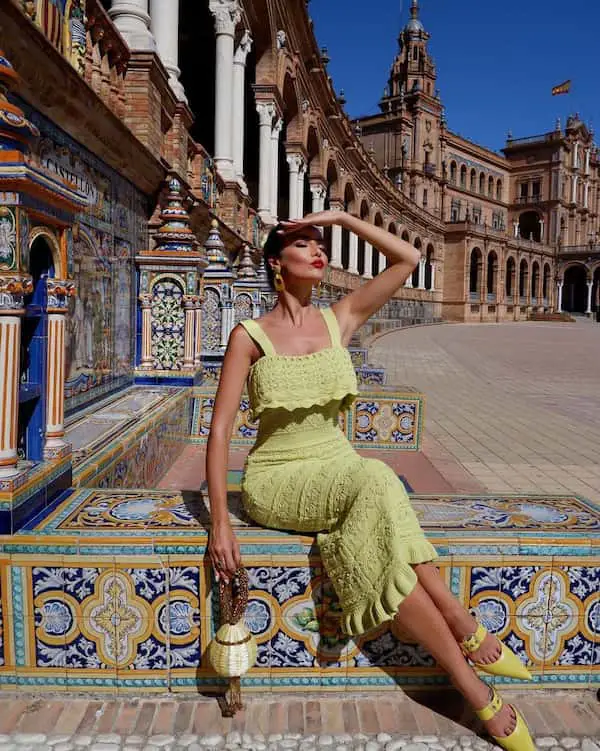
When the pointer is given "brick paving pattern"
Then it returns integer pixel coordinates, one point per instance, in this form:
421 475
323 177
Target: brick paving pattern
388 720
509 408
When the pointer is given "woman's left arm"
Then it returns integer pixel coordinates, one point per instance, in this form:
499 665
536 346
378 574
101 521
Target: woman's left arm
355 308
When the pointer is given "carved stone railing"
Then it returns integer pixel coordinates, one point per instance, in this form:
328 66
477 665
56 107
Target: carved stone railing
106 57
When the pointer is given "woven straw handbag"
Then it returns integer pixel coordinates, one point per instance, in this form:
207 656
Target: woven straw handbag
232 652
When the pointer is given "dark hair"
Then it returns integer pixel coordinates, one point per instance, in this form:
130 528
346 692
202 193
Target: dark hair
272 248
276 241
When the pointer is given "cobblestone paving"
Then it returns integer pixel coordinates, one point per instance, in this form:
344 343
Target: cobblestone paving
515 405
383 722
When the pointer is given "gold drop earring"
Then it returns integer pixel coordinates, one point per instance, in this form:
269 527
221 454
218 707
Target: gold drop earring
278 281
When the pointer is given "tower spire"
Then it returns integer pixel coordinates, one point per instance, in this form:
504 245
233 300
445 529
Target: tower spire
414 9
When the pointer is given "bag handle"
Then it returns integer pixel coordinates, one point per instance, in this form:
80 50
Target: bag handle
232 604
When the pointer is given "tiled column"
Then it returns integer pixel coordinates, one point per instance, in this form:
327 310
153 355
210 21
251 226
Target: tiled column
275 135
266 112
227 14
422 273
383 263
10 340
432 276
368 272
295 162
164 21
58 295
189 306
198 334
12 290
146 359
239 75
227 320
301 178
133 21
353 253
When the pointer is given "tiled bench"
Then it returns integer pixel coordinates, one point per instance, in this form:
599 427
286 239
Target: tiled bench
110 590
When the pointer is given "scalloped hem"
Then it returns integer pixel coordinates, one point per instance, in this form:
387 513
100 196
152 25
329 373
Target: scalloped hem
373 613
345 397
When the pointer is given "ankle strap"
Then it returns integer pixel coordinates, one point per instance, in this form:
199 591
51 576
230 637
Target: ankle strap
473 642
492 708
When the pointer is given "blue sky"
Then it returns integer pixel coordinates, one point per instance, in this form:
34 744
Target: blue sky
497 60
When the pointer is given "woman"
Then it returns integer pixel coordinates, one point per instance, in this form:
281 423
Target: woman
302 474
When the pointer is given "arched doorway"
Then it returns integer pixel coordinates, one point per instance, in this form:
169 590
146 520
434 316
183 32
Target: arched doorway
596 293
530 226
416 273
575 289
492 275
429 267
510 279
535 282
546 284
475 274
33 355
523 278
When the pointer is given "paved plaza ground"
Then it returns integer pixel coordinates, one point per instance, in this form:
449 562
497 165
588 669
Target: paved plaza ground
509 407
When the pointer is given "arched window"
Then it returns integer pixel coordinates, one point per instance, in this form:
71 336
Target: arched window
523 275
535 280
546 282
453 169
475 273
481 183
499 190
490 187
492 273
463 176
472 181
510 277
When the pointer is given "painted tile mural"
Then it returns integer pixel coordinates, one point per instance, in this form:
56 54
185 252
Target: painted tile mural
100 327
111 589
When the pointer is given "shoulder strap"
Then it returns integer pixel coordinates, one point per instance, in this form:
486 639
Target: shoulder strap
332 326
255 330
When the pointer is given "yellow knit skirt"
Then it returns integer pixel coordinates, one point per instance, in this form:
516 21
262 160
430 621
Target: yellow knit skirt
312 480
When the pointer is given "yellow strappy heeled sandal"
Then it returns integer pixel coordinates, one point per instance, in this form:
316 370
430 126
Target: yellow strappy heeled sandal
507 664
520 739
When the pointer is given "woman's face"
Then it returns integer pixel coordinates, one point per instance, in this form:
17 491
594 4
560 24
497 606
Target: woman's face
304 256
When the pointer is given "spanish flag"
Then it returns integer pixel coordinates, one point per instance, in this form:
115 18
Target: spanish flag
562 88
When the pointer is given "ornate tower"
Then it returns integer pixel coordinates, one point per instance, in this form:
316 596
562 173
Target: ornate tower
407 136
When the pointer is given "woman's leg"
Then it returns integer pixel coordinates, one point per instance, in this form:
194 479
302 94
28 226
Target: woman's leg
461 622
419 616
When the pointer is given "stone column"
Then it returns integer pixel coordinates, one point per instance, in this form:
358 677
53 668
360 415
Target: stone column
590 286
353 253
274 189
239 76
432 276
133 21
189 305
295 162
164 22
336 243
10 340
368 273
383 263
266 112
58 294
559 291
146 358
421 284
408 283
301 178
227 14
542 230
319 192
198 334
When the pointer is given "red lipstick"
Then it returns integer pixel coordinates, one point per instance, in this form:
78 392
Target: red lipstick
318 264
